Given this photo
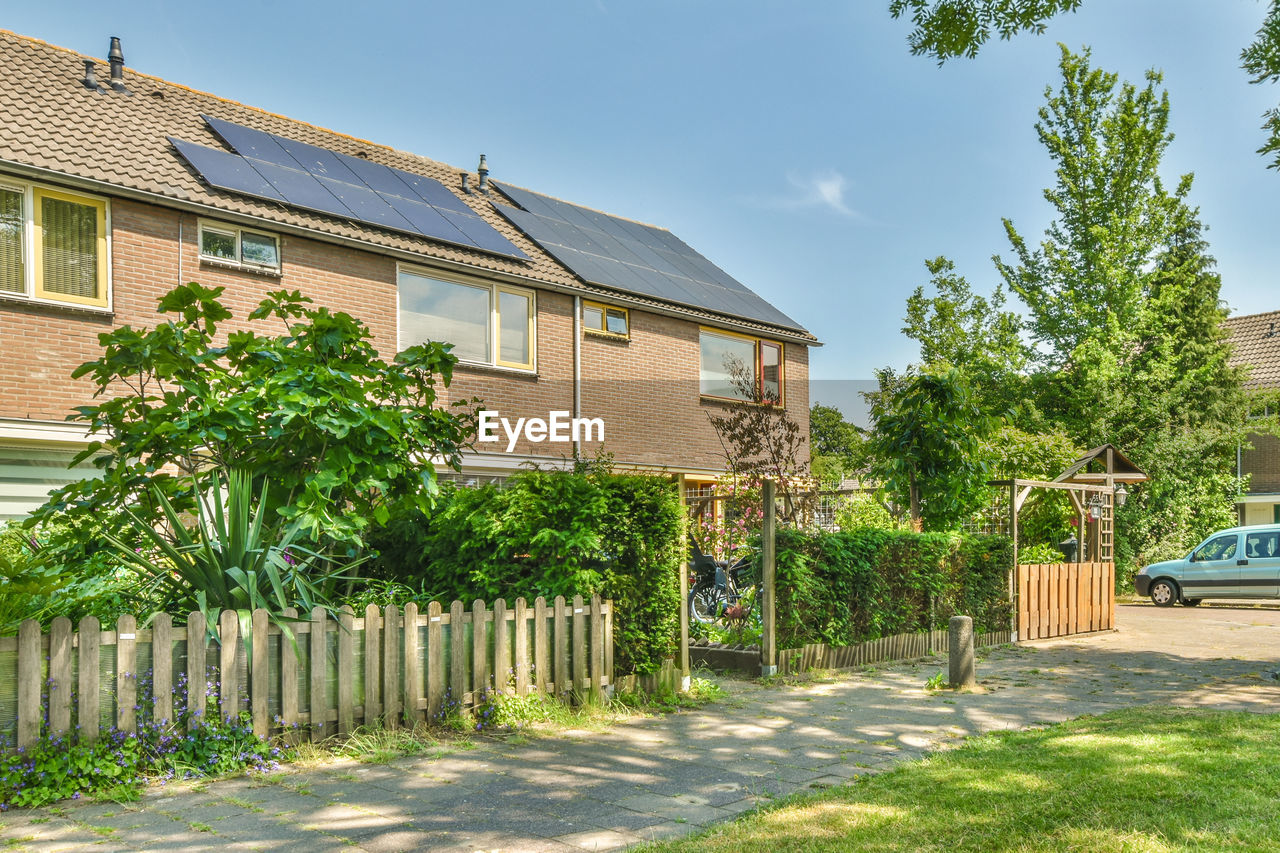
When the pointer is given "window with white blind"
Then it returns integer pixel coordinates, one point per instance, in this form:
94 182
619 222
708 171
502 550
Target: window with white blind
53 245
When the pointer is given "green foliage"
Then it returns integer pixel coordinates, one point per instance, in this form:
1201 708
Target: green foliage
35 585
232 560
863 510
848 587
926 445
332 431
1040 553
945 29
553 533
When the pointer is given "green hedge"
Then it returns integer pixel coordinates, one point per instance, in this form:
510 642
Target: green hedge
858 585
553 533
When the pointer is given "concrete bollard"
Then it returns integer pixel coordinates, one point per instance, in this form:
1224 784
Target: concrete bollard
962 672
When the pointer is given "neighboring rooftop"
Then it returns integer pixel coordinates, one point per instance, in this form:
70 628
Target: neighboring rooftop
1255 343
54 126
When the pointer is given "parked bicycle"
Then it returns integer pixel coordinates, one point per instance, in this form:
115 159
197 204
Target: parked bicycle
718 587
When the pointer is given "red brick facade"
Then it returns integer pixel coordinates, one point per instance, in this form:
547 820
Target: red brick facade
645 388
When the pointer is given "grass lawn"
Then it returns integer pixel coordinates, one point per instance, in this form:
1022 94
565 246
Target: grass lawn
1146 779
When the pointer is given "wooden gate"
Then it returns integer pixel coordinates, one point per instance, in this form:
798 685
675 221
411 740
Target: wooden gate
1057 599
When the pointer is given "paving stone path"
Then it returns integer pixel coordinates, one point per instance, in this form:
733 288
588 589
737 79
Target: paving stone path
665 776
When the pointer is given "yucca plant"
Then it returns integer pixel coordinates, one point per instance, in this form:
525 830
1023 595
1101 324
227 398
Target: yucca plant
235 558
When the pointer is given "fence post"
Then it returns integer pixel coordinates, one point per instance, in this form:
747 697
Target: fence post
60 676
87 713
127 674
259 677
30 659
346 670
290 657
196 684
1013 570
435 660
685 672
372 665
318 671
412 672
228 683
162 666
768 556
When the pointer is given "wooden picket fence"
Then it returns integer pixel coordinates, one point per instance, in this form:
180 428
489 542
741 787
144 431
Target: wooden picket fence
394 666
1058 599
895 647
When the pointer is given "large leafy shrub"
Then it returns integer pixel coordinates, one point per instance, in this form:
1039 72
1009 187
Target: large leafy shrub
552 533
848 587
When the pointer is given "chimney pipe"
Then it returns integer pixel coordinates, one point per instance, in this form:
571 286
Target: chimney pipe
90 79
483 170
116 57
466 183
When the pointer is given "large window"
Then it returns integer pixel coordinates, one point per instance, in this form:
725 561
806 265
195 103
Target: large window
487 324
737 367
228 245
53 245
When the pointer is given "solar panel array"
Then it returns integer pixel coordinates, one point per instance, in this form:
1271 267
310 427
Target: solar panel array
634 258
273 167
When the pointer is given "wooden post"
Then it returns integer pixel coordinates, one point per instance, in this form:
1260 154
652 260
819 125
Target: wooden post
127 674
522 647
87 713
768 580
597 652
317 672
60 676
228 678
196 684
479 653
346 670
435 660
501 647
30 658
563 678
579 647
541 645
1013 583
412 670
372 664
162 667
289 660
685 671
457 653
260 673
608 646
390 667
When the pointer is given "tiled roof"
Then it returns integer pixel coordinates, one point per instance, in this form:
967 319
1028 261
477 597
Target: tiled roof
49 120
1255 343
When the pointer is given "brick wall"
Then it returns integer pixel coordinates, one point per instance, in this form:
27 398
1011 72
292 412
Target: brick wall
1263 462
645 389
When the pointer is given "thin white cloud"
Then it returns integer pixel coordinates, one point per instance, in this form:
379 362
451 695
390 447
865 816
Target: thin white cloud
824 190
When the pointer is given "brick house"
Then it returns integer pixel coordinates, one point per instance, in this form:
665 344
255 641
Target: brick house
1255 340
116 186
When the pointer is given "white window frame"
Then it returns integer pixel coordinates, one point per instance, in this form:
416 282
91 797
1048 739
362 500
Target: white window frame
32 290
494 325
237 233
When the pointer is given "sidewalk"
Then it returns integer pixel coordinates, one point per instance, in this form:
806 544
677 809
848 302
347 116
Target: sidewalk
665 776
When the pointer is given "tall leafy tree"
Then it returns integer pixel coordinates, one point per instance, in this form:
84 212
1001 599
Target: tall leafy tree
926 445
1086 278
945 29
837 448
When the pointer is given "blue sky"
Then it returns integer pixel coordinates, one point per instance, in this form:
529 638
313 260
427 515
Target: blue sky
797 145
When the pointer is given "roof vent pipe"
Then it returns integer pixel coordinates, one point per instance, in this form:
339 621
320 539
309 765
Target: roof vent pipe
483 170
466 183
116 57
90 79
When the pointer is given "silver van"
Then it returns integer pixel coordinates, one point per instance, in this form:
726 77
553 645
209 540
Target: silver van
1242 562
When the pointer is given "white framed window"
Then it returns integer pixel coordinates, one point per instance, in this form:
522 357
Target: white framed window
740 367
244 248
490 324
54 246
601 319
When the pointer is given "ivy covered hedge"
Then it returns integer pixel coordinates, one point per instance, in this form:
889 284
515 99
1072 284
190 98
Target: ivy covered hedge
858 585
552 533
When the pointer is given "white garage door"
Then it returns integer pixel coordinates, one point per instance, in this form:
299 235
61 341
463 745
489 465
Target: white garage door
28 474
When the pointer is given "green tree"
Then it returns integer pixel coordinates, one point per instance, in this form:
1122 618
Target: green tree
945 29
837 447
1086 279
332 433
926 446
961 329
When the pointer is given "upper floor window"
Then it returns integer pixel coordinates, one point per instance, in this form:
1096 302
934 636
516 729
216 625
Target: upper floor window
53 245
605 320
486 323
738 367
240 247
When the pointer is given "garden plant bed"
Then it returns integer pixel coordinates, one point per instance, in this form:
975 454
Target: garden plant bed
724 656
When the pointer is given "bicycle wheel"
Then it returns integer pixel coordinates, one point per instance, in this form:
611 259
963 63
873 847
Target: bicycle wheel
706 603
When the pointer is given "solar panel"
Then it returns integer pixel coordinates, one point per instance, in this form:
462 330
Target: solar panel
628 256
225 171
306 176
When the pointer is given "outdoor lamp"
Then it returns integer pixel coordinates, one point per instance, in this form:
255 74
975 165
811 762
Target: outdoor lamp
1122 494
1095 507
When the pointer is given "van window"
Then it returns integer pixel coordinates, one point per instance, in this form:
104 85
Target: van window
1218 548
1261 545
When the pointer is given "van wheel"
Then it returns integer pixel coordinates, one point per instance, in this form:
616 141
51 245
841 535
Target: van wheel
1191 602
1164 593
